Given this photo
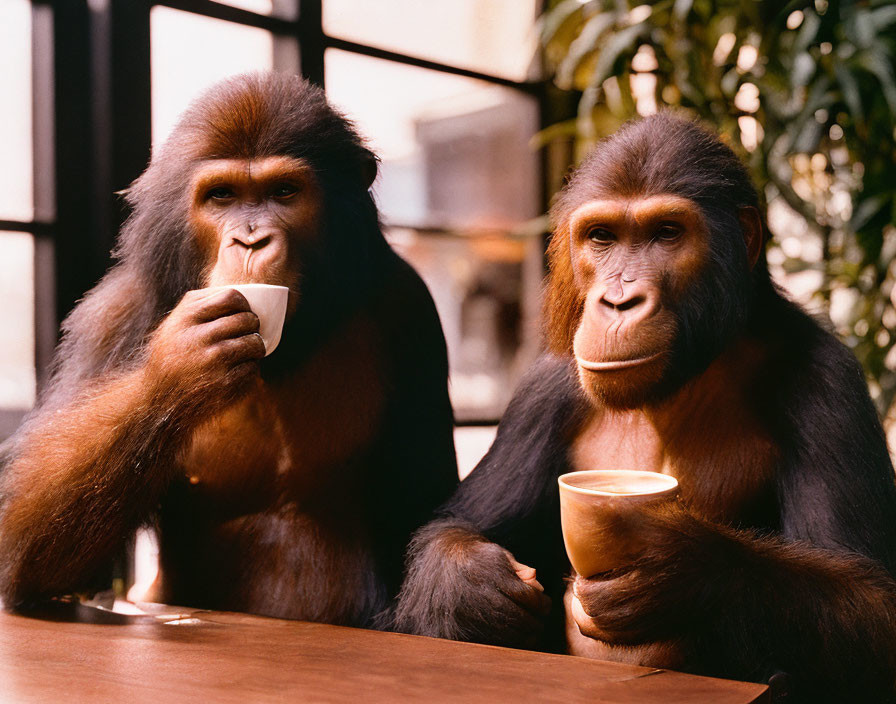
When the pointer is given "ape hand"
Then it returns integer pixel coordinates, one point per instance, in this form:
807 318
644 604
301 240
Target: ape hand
464 587
209 341
670 590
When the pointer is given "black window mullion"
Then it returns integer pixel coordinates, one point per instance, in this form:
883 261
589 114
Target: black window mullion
44 229
72 162
312 40
377 53
228 13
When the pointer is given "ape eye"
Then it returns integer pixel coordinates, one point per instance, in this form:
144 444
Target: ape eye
600 235
284 190
668 232
219 193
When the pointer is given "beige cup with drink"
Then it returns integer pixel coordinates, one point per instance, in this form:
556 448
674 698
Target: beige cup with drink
269 303
590 505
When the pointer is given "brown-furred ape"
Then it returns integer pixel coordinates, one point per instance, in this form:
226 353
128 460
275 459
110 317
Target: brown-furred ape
673 351
286 486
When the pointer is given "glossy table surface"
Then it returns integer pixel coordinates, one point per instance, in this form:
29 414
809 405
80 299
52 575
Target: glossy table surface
78 654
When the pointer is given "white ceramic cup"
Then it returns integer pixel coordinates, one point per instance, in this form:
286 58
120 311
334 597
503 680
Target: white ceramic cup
268 302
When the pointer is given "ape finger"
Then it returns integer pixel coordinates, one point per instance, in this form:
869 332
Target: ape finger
527 596
217 303
242 349
231 326
518 626
526 573
586 623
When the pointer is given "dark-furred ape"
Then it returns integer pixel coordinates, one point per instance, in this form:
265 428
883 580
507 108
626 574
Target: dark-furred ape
286 486
672 350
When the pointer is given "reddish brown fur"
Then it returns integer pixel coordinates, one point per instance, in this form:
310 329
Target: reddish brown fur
563 300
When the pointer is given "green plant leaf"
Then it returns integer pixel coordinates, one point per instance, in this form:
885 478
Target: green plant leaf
808 136
883 17
866 209
849 87
730 82
877 62
624 40
803 69
583 46
566 14
559 130
808 31
681 8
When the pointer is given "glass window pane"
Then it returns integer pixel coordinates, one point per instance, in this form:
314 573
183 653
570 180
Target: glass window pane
455 151
496 37
190 53
287 9
16 188
458 190
487 288
472 442
262 7
17 374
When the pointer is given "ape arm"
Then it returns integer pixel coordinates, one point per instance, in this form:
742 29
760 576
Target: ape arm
91 464
836 485
460 582
415 456
816 603
511 496
731 604
63 515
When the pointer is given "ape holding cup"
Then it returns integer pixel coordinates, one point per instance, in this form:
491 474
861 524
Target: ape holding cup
594 505
268 302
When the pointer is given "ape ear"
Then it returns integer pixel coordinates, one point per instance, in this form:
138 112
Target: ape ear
751 226
369 165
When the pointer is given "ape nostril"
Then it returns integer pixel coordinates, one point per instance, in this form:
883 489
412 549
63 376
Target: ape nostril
630 303
252 240
623 304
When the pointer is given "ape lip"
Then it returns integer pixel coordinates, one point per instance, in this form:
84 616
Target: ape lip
614 364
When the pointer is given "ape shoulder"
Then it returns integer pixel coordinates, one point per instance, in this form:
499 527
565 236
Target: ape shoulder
512 491
835 480
547 405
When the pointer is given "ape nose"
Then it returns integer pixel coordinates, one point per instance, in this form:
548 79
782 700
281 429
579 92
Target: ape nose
626 297
623 299
624 303
253 239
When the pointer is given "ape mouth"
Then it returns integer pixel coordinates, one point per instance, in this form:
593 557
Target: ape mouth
612 365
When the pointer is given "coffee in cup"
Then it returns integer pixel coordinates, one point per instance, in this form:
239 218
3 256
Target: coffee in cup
590 504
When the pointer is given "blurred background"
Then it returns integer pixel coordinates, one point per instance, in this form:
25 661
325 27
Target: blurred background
477 109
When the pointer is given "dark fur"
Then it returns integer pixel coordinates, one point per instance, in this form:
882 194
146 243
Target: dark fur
327 547
797 576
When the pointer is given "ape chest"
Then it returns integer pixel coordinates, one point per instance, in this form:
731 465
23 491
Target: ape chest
619 441
724 465
285 443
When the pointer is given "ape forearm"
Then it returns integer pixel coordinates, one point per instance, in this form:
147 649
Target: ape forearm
81 478
85 471
756 606
826 618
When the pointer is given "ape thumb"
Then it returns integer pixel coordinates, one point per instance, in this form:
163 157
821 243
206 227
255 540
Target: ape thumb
525 573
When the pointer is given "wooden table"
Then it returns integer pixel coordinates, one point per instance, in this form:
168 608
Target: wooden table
222 657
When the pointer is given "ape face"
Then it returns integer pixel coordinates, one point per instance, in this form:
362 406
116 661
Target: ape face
633 261
254 218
